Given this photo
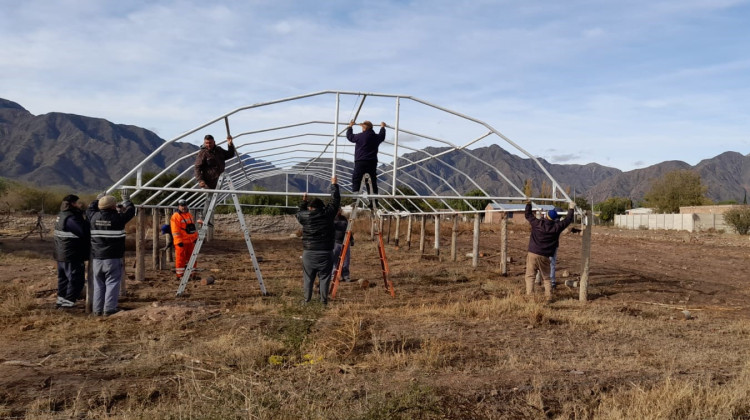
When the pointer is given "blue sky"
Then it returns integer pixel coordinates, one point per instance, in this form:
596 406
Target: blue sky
623 84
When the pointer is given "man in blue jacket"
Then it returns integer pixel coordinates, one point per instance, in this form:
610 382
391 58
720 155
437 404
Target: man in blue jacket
107 250
366 146
544 240
72 240
316 219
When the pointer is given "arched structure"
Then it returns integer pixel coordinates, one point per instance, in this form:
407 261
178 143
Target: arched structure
302 138
302 141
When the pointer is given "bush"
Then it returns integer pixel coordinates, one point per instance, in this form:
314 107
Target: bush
739 219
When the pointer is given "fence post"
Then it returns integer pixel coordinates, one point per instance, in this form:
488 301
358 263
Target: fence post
437 234
140 249
583 290
475 243
454 234
504 245
422 223
155 238
408 233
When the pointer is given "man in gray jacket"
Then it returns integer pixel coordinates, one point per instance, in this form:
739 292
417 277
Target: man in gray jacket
107 250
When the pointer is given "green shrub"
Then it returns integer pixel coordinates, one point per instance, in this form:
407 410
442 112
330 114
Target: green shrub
739 219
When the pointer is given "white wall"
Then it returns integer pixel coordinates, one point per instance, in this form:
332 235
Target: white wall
689 222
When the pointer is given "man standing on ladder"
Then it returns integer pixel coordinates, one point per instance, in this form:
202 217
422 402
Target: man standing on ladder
210 162
366 146
316 219
184 235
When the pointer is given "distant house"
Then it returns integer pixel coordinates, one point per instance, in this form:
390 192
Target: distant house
494 212
639 210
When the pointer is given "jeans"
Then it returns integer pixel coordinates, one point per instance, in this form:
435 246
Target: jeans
337 256
71 276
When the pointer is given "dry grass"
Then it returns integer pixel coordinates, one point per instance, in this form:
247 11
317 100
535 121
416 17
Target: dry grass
455 343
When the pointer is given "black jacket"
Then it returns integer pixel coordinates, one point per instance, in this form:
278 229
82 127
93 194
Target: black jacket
366 143
340 224
72 237
317 225
108 230
545 233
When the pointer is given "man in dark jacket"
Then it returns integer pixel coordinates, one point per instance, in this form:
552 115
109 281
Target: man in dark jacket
210 163
316 219
107 250
366 146
544 240
72 240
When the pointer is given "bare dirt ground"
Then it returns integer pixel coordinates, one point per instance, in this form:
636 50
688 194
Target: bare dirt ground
664 308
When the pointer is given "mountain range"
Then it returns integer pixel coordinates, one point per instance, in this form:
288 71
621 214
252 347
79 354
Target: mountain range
89 154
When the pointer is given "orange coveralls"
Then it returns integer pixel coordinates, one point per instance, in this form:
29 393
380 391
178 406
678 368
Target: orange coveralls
184 242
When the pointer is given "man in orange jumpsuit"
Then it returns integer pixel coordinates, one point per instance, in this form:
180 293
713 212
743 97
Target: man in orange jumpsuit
184 234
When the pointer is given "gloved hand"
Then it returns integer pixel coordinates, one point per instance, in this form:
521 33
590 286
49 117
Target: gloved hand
125 195
572 205
181 245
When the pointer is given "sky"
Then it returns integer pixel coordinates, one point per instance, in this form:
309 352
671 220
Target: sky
623 84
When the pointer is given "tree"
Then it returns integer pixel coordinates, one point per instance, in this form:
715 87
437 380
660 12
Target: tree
462 205
739 219
675 189
527 188
582 204
610 207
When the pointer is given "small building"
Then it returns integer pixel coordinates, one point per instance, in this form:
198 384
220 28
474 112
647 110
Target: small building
494 212
639 210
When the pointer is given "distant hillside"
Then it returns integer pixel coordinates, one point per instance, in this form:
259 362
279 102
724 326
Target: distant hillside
83 153
89 154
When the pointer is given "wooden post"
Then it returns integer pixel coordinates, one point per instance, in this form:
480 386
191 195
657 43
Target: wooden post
398 227
155 238
437 234
140 249
583 286
475 247
504 244
422 222
170 258
454 235
90 284
408 233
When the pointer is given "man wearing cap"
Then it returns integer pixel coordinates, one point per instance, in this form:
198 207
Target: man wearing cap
72 242
184 235
366 146
107 250
543 242
210 163
316 219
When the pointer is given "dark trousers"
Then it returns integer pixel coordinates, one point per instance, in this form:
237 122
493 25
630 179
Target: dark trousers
70 279
316 263
362 167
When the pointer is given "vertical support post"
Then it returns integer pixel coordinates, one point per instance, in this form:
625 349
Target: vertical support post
335 137
169 252
286 186
422 223
395 147
388 239
155 238
408 232
437 234
140 249
583 287
475 243
504 244
139 177
454 235
398 228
